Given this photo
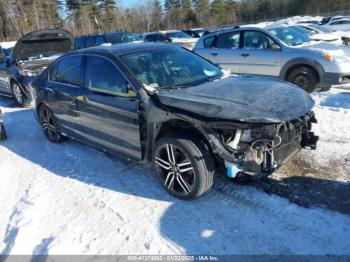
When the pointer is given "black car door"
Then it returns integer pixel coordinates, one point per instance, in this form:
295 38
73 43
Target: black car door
109 108
63 89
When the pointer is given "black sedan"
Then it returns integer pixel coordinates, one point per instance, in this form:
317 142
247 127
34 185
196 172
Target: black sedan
163 104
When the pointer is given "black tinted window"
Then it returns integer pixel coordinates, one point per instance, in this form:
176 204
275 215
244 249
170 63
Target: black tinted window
209 42
257 40
79 43
160 38
228 40
100 40
149 38
102 75
67 71
90 41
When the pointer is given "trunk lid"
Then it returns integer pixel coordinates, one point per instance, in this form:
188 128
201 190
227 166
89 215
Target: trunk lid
42 45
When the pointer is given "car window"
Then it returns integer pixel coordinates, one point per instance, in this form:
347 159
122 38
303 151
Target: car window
208 42
79 43
121 37
2 56
160 38
149 38
90 41
103 76
342 22
67 71
228 40
100 40
257 40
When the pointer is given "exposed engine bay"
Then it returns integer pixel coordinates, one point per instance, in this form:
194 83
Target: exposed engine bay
263 148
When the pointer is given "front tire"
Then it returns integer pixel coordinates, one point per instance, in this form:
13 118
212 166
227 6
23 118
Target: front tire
18 94
184 166
304 77
49 125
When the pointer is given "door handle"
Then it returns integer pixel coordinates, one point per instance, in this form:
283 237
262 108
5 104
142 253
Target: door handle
214 54
245 55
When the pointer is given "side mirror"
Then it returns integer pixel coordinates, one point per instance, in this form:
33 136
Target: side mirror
275 47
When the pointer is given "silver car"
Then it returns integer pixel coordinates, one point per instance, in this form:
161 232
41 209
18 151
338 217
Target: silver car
281 52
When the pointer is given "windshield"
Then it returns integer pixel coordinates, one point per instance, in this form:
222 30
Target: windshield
119 38
170 68
304 30
177 34
291 36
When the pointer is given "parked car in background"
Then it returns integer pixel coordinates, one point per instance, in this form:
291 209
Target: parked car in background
329 19
164 104
32 53
180 38
339 25
156 37
321 33
110 38
200 31
281 52
191 33
314 22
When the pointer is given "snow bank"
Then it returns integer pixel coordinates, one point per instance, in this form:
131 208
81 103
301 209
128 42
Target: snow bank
6 45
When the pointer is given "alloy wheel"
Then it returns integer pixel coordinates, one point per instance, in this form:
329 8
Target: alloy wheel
48 125
175 170
17 92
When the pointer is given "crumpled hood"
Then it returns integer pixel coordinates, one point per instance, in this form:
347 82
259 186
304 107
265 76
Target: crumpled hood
43 42
242 98
328 48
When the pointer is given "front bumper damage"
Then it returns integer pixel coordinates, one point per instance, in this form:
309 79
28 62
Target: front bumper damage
258 148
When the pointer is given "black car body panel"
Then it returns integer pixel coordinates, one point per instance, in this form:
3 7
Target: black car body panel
242 98
271 118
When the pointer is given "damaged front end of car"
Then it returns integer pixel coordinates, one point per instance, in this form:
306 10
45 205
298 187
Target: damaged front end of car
258 149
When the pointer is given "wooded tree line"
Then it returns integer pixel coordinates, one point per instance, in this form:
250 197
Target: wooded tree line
89 16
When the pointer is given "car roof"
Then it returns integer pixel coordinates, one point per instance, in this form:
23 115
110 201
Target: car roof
170 31
341 19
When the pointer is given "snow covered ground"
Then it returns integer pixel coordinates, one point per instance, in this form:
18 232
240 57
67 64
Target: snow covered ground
71 199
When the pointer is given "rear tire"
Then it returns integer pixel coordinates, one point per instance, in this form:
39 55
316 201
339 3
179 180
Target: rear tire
49 125
18 94
304 77
184 166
